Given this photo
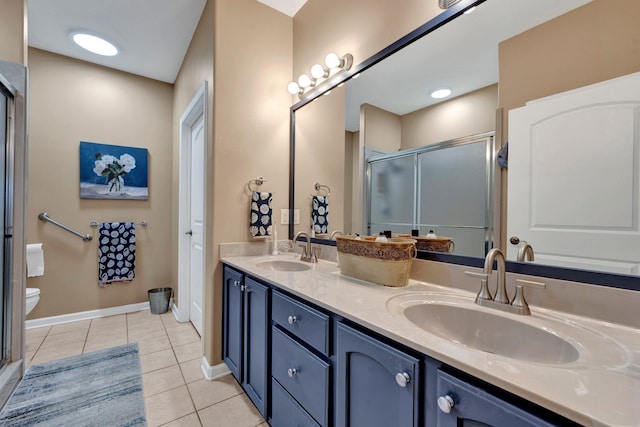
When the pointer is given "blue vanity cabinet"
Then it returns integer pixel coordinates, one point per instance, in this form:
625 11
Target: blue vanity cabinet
461 404
233 334
246 340
377 384
300 364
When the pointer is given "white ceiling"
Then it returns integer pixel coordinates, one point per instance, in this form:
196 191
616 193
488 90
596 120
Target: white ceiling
462 55
152 35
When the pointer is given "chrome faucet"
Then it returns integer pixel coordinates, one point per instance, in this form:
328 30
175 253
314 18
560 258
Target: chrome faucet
496 254
501 300
334 233
526 251
308 254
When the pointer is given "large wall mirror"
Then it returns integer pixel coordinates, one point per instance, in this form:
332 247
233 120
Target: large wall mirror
383 108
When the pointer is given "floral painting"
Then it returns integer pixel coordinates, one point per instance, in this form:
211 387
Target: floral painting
113 172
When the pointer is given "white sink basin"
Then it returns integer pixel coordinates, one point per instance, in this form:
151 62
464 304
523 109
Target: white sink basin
281 265
538 338
491 333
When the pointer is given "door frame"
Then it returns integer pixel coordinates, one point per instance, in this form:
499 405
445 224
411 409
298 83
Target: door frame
196 108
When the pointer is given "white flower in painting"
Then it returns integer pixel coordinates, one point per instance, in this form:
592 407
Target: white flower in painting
128 162
108 159
100 167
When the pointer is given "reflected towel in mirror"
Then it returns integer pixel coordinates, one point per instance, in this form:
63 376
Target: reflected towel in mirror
320 214
261 213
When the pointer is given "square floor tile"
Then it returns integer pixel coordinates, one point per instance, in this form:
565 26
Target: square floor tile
183 337
192 371
237 411
187 352
206 393
162 380
190 420
71 326
158 360
168 406
38 332
57 352
152 344
65 338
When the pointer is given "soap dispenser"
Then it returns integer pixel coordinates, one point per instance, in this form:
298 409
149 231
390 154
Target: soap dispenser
381 237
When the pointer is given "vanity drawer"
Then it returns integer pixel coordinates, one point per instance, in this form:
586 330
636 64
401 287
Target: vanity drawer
285 411
304 375
308 324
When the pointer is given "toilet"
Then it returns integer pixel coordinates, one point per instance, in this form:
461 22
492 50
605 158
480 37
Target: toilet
33 296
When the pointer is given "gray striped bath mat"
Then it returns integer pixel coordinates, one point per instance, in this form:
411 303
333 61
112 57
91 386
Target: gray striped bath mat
102 388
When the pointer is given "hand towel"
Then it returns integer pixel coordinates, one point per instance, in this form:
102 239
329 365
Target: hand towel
35 260
261 213
320 213
116 252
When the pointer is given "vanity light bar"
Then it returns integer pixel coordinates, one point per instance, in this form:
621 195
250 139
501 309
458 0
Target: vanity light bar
320 74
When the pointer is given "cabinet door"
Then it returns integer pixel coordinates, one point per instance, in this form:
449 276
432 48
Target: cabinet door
368 393
232 321
470 406
256 321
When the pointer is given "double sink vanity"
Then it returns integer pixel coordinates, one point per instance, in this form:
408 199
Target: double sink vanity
315 348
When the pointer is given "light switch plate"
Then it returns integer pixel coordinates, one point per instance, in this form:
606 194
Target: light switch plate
296 216
284 216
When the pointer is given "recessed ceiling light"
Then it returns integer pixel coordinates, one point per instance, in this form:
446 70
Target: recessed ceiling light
94 44
440 93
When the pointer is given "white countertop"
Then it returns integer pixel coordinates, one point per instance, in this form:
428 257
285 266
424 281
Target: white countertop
601 388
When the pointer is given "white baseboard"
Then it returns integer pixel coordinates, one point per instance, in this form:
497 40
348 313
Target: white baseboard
86 315
213 372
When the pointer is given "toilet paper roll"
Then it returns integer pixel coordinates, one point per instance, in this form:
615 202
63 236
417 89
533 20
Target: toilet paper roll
35 260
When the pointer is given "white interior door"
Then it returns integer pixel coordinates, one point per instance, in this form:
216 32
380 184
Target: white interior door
196 223
574 177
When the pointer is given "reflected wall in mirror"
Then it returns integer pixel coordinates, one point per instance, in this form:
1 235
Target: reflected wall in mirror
540 47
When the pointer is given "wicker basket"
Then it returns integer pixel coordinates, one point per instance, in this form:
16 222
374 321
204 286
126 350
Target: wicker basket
383 263
434 244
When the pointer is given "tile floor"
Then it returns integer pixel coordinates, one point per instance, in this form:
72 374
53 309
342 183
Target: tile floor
176 393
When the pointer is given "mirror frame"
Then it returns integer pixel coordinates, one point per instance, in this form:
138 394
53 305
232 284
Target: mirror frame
560 273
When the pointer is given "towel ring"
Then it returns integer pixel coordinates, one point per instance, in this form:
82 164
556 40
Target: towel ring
319 187
258 181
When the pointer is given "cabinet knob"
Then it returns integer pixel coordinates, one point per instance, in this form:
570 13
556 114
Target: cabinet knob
446 403
242 288
292 319
236 283
402 378
291 372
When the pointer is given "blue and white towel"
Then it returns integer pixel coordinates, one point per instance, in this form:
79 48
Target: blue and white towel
261 212
320 213
116 252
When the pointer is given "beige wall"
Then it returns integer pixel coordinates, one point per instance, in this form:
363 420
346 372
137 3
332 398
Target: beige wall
73 101
465 115
319 157
381 130
354 26
595 42
243 49
13 31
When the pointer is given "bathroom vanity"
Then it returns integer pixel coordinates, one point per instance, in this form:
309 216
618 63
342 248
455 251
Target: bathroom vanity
320 349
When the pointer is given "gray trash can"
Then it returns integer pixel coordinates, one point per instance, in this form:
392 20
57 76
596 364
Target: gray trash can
159 300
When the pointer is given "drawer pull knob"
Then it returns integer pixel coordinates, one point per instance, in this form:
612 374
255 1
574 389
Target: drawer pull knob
291 372
446 403
236 283
292 319
403 379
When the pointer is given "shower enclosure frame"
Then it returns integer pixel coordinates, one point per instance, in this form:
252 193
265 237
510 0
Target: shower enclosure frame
14 88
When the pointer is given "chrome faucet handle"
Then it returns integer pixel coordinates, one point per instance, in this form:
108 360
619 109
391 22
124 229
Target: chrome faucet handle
483 293
519 302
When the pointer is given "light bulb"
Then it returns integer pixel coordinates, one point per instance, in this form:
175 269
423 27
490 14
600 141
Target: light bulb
293 88
319 72
332 60
304 81
440 93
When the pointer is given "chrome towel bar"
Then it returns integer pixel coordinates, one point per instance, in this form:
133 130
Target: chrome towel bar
45 217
